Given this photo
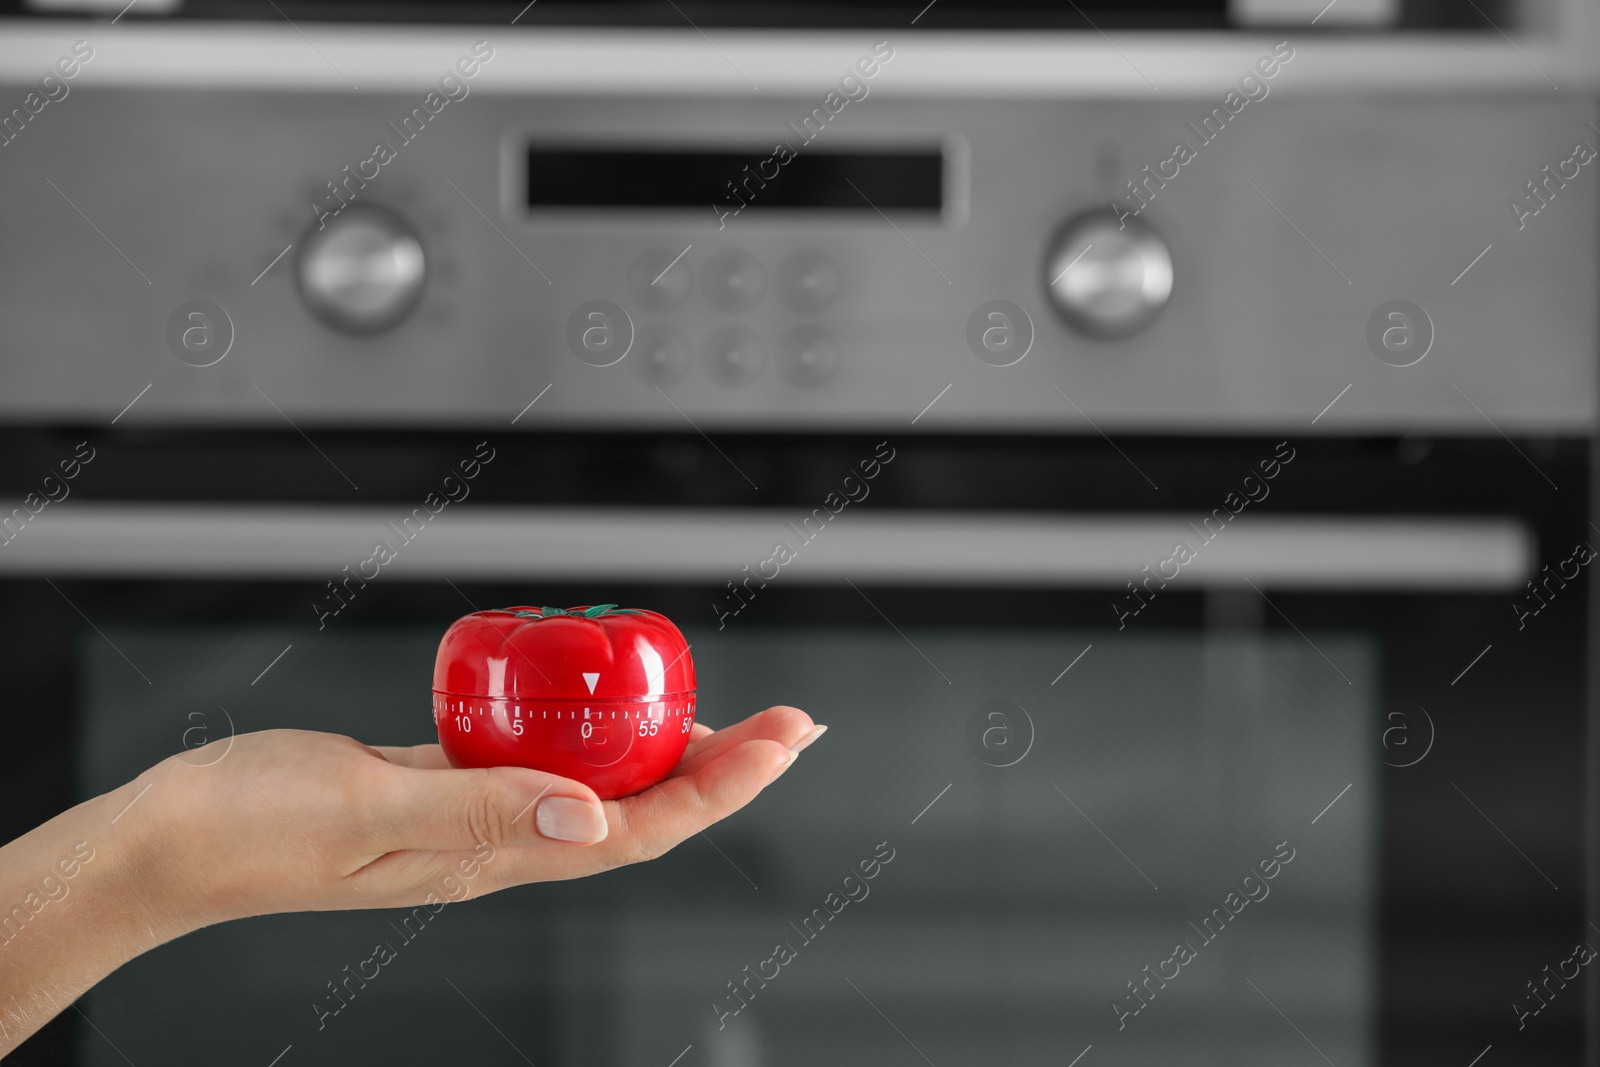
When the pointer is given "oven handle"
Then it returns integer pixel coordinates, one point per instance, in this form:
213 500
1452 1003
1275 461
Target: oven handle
696 545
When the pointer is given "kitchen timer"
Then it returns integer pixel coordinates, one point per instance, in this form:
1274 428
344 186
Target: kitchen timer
602 695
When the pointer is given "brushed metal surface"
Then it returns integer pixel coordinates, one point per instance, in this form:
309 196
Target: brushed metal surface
1285 234
675 544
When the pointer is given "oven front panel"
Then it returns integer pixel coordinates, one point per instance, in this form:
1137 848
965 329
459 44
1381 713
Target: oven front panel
1399 193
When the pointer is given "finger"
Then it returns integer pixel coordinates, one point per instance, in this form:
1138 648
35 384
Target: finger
452 810
700 732
421 757
645 826
785 725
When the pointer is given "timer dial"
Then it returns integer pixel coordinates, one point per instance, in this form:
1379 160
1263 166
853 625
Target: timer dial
362 272
1107 279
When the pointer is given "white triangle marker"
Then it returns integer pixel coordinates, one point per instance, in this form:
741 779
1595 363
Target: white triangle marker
590 679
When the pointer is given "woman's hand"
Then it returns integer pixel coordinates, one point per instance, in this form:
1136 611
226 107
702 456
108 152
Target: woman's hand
289 820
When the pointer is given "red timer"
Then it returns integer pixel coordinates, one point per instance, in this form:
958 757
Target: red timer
603 695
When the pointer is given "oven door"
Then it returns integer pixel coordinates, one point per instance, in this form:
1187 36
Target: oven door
1314 791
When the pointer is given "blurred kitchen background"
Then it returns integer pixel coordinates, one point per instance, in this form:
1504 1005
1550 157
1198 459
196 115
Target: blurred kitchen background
980 309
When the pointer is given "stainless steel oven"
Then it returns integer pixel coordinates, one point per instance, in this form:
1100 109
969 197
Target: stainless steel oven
1207 682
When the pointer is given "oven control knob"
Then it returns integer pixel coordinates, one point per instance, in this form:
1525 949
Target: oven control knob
1107 279
363 271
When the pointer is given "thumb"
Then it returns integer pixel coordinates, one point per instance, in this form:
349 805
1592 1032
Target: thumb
447 810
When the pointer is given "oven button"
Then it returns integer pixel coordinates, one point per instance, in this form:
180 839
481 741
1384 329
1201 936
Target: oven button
808 356
1107 279
363 272
733 281
660 279
734 356
661 355
808 282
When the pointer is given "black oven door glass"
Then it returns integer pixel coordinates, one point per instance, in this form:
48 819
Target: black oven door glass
1112 854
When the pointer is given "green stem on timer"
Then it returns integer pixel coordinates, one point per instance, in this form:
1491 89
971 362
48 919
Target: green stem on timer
585 613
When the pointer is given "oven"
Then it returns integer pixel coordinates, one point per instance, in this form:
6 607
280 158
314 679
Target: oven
1207 670
1069 772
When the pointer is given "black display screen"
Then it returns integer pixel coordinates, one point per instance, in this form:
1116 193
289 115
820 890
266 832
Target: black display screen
728 179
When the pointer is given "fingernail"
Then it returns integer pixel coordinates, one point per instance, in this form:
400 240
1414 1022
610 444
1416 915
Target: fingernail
570 819
805 742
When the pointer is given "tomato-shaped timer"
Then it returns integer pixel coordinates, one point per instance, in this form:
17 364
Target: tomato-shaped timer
603 695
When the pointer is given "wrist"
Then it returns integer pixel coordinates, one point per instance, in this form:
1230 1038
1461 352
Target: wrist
73 908
149 866
136 862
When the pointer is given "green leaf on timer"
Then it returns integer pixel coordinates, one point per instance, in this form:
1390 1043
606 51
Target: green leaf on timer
596 612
